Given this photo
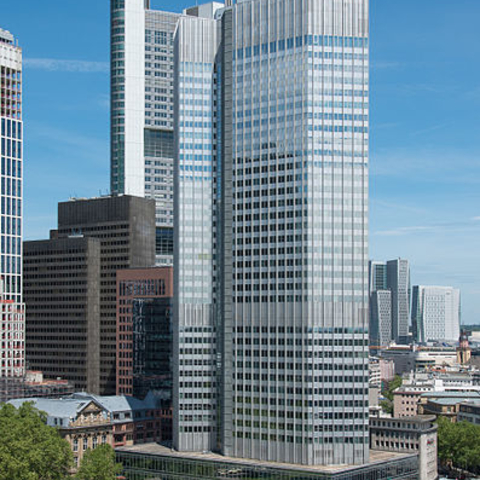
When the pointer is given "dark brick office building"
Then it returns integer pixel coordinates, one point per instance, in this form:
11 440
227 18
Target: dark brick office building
123 228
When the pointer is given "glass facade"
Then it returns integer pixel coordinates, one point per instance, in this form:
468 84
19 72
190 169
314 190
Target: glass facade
271 217
139 466
11 193
152 348
142 106
195 337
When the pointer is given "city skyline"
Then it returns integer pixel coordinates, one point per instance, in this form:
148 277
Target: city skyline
423 124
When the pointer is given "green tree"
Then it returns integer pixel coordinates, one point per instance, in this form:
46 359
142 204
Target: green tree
99 464
392 386
459 445
29 448
387 404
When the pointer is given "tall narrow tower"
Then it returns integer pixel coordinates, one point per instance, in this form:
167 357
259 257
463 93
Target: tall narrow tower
12 325
141 129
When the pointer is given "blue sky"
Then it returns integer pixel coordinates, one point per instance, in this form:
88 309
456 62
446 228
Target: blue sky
425 126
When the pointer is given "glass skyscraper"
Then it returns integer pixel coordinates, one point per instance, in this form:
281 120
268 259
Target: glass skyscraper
12 325
271 231
142 110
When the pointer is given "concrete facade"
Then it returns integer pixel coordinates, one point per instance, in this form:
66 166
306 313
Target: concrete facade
416 434
125 227
62 293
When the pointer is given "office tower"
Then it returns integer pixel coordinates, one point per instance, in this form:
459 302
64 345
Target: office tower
142 110
436 313
377 276
124 228
398 280
12 327
271 210
389 302
145 333
62 295
380 318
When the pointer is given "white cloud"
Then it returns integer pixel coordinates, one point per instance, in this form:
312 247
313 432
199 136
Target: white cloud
58 65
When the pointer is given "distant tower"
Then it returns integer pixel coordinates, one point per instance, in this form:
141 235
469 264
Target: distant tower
464 352
12 322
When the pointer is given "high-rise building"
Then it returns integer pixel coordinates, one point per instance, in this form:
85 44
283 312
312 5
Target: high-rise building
125 226
142 110
62 295
12 323
389 302
145 333
436 313
398 280
271 231
73 314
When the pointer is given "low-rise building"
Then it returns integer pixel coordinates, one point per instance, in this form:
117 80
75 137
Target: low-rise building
33 385
445 404
408 435
135 421
84 423
469 412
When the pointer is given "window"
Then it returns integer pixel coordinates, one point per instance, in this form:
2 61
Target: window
104 439
85 443
75 445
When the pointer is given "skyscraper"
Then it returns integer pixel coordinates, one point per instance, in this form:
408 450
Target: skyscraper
12 324
70 285
398 280
271 222
389 302
436 313
142 110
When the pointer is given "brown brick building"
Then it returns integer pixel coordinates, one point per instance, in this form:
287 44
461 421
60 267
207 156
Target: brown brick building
78 291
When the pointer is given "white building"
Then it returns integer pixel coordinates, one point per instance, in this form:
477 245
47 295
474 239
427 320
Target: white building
142 110
436 313
12 326
271 231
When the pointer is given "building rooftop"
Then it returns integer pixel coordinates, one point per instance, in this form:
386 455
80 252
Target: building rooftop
6 36
412 419
452 394
376 456
57 408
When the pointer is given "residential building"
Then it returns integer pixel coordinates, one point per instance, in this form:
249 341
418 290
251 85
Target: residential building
12 320
436 313
416 434
145 332
389 288
259 180
62 295
95 238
